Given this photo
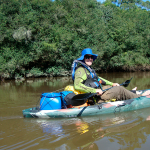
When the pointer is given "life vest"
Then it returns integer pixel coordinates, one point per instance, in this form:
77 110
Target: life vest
92 79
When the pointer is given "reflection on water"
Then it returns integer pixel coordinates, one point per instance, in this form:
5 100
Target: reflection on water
128 130
125 131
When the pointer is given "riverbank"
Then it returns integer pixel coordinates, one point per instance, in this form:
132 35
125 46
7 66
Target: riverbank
8 76
65 73
125 68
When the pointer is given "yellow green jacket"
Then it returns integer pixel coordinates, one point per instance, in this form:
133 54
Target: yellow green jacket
80 76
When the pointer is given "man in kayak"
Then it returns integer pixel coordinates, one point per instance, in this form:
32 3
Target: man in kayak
86 80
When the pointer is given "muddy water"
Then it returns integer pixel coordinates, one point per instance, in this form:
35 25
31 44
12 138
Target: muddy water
125 131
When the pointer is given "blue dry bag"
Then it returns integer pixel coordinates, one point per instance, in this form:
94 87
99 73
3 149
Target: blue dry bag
50 101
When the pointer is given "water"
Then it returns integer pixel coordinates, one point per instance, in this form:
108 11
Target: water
124 131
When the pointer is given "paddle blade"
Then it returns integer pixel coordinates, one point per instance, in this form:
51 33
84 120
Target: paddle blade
126 83
83 96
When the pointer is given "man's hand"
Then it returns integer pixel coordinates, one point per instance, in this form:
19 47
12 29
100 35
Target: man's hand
99 91
115 84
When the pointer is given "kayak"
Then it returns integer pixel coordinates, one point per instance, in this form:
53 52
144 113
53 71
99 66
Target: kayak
97 109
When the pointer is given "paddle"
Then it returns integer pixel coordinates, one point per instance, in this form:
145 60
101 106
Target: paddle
83 96
88 95
126 83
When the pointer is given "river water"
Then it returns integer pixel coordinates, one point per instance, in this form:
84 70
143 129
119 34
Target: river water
124 131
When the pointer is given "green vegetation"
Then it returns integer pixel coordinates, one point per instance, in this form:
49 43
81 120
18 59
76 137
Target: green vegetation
44 37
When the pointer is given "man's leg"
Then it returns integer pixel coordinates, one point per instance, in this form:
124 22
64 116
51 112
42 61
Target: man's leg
118 93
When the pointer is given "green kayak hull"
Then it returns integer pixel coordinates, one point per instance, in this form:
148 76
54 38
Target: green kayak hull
98 109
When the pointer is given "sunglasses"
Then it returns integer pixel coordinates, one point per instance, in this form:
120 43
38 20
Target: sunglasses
88 57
